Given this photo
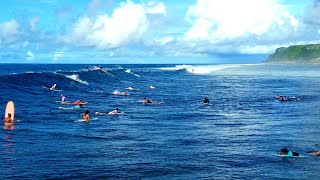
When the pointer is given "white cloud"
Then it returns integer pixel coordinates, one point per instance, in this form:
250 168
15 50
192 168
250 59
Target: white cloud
155 8
251 22
127 24
9 31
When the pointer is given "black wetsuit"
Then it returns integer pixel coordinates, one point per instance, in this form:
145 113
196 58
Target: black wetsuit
206 100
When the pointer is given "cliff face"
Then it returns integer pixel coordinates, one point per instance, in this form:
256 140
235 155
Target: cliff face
296 54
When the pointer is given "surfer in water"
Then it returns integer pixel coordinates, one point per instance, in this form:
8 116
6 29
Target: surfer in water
145 100
8 121
116 111
86 116
206 100
63 98
148 101
286 153
80 103
117 92
53 87
285 98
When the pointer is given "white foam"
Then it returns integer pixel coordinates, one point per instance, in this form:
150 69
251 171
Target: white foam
129 72
202 69
177 67
75 77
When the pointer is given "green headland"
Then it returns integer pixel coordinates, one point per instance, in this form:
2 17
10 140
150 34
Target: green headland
308 54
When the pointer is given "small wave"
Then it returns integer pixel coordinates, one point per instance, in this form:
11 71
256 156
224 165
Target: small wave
75 77
205 69
129 72
177 67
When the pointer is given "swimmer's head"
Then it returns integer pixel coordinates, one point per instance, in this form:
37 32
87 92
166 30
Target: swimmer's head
9 115
87 112
284 150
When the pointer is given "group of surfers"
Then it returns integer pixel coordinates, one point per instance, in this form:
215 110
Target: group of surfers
86 115
8 121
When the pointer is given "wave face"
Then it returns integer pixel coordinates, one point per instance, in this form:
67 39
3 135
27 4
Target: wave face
234 136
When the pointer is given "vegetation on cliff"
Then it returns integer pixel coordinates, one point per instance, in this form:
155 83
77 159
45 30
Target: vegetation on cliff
296 54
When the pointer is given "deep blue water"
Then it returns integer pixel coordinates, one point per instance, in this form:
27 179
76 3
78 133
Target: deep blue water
234 137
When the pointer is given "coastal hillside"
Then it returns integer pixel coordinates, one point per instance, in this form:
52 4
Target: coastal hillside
296 54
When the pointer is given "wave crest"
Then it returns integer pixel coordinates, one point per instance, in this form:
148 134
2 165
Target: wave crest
201 69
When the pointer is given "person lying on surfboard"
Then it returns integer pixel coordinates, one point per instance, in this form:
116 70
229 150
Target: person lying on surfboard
148 101
80 103
113 112
116 111
145 100
286 153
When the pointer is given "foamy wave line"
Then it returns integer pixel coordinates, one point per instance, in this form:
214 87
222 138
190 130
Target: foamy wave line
129 72
75 77
177 67
205 69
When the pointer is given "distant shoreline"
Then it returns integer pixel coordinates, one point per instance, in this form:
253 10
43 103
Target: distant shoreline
296 54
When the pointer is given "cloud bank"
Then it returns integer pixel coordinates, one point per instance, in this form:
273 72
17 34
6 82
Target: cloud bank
239 26
127 24
131 28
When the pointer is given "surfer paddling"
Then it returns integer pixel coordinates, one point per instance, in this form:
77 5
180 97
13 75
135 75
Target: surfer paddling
286 153
148 101
80 103
113 112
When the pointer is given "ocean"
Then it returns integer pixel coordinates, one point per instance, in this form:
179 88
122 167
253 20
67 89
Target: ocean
236 136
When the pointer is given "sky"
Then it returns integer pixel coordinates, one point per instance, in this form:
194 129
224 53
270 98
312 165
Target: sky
153 31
